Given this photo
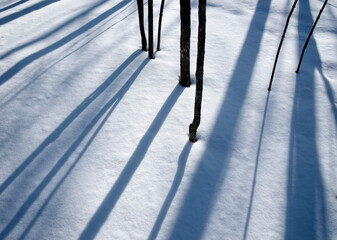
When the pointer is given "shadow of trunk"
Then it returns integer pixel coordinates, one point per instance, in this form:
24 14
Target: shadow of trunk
306 211
104 210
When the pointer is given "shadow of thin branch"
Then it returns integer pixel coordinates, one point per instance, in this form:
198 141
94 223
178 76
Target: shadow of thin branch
252 193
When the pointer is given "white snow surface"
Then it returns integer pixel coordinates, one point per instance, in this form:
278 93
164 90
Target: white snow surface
94 135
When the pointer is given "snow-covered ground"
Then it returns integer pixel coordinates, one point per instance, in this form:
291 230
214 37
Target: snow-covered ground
93 135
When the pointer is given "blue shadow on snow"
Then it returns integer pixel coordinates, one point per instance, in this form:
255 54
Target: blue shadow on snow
42 52
252 193
306 210
197 206
13 5
103 211
57 29
108 107
173 190
106 110
26 11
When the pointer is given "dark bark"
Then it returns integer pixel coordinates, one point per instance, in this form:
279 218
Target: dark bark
185 29
140 5
309 36
280 45
200 71
150 10
159 23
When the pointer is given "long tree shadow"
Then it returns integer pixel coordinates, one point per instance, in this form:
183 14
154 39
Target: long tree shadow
34 56
107 110
66 123
13 5
109 202
26 11
45 69
111 104
306 210
197 206
173 190
57 29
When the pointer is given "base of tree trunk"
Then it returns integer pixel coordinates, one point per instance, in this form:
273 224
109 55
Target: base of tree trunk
199 74
193 139
193 133
184 82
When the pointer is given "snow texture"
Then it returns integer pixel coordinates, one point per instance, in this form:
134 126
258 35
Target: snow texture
94 135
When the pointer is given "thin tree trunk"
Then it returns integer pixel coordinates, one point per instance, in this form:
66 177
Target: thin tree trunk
309 36
185 29
140 5
159 23
150 12
200 71
280 45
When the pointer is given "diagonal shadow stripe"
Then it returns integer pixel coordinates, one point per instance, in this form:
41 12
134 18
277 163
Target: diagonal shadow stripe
57 29
104 210
172 192
33 57
13 5
60 163
74 114
26 11
109 107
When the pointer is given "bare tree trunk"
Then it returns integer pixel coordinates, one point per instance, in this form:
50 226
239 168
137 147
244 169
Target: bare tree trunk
309 36
140 5
200 71
159 23
185 29
150 10
280 45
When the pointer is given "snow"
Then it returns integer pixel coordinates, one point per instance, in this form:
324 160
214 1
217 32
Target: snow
94 135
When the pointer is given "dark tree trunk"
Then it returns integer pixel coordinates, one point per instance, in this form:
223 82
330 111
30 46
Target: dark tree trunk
280 45
309 36
185 29
150 10
159 23
200 71
140 5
